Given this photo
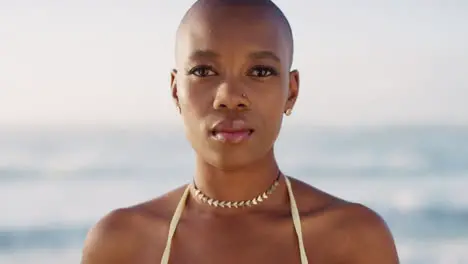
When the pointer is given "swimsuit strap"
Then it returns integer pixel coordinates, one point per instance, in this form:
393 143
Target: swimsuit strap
173 225
180 207
296 222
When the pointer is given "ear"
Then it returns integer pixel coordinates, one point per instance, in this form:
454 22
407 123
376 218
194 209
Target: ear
174 95
293 90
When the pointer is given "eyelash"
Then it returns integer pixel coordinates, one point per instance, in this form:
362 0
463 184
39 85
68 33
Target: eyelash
259 68
196 69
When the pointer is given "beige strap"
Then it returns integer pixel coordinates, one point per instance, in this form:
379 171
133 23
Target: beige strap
180 207
173 225
297 223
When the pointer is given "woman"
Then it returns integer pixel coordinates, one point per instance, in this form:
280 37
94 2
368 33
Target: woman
232 86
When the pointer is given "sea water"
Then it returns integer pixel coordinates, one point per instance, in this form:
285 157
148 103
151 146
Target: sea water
56 183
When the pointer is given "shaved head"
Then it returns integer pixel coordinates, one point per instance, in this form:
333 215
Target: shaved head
204 10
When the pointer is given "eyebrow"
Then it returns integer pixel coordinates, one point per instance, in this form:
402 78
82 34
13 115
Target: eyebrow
204 54
210 54
264 55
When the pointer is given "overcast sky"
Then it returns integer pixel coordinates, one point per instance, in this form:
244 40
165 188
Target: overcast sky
103 61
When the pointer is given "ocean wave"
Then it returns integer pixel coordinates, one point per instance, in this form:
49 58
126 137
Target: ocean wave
415 178
386 152
147 171
43 237
67 200
428 224
444 251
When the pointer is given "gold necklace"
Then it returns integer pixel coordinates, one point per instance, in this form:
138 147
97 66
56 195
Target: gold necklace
236 204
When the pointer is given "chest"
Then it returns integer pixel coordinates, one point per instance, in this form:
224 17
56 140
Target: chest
232 242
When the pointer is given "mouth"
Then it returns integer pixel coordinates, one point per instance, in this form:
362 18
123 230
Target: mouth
232 136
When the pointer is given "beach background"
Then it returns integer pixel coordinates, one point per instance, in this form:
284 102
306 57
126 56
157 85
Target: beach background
56 184
87 124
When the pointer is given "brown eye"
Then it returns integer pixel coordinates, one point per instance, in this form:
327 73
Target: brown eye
262 71
202 71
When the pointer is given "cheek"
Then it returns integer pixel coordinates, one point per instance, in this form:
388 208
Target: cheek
194 99
271 99
271 108
273 118
195 105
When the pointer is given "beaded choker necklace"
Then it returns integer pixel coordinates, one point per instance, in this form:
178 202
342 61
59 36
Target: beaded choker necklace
236 204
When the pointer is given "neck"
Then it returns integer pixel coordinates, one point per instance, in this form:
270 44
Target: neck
239 184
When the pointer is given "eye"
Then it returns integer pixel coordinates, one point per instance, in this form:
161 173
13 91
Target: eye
262 71
202 71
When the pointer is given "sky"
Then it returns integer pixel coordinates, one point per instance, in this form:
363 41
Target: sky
108 62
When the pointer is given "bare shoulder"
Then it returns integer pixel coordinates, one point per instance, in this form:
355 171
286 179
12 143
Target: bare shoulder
349 232
368 238
129 235
112 239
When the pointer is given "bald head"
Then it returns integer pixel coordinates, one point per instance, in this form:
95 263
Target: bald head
218 11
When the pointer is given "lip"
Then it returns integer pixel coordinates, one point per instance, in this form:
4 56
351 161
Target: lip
231 131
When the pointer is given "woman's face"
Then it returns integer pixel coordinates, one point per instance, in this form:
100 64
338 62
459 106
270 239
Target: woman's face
233 83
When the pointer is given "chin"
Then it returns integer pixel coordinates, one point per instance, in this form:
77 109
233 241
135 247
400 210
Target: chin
229 161
233 159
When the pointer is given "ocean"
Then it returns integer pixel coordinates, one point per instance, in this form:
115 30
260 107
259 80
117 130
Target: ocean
56 183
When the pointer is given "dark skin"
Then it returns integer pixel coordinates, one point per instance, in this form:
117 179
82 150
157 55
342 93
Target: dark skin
222 53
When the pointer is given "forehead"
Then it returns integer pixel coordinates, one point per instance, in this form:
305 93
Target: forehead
233 32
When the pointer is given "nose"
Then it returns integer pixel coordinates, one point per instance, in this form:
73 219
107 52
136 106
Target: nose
231 96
